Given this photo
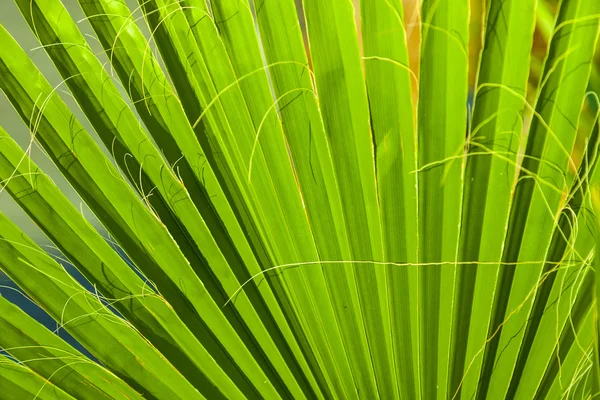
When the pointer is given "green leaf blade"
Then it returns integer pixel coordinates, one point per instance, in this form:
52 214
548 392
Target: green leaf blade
441 131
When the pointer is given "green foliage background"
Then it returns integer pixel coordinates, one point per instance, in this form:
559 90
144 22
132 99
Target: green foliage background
319 199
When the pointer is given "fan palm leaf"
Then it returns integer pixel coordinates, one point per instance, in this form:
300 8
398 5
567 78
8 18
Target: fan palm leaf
294 210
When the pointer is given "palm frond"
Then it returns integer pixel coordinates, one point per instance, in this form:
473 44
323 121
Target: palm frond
299 207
